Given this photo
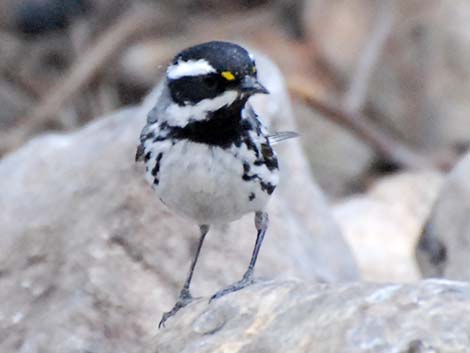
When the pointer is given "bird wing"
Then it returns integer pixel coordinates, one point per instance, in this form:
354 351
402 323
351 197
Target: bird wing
151 119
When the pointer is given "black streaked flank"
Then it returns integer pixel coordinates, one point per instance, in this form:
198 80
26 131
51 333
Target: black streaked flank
147 156
246 167
268 187
156 169
269 159
247 177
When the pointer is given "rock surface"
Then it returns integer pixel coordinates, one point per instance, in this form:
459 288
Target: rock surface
444 247
89 259
383 225
431 316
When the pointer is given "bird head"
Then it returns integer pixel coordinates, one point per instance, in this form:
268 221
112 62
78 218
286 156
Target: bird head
215 73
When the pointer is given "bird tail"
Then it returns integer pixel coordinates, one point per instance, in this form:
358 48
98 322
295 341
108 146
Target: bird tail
281 136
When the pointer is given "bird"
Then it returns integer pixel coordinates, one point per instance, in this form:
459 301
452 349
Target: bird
207 155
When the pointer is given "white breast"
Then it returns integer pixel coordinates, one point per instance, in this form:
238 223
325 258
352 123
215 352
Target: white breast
205 182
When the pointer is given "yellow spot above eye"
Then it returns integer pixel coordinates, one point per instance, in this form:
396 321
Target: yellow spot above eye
228 75
253 69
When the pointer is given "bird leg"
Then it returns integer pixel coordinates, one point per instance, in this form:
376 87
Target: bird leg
261 224
185 296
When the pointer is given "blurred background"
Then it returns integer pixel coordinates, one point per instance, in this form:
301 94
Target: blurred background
377 85
380 92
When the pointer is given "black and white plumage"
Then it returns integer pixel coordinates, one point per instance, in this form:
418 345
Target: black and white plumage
206 153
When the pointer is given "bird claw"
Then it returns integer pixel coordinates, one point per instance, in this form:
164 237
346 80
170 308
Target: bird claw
234 287
181 303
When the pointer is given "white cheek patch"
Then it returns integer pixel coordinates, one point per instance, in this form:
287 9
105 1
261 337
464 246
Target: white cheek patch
189 68
180 115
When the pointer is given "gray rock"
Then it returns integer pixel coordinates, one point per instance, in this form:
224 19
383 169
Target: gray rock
89 258
297 317
444 247
383 225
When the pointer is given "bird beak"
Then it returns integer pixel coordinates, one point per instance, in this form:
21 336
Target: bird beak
250 85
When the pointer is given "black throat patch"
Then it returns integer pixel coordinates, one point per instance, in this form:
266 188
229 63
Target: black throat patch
220 128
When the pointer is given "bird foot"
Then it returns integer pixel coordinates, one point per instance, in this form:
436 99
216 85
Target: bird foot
184 299
244 282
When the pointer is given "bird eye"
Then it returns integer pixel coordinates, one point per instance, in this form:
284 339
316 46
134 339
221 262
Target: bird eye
210 81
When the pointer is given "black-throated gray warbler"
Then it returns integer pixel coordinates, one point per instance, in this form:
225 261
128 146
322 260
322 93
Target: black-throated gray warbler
207 155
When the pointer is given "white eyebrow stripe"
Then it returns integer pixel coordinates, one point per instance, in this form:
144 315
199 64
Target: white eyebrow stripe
189 68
